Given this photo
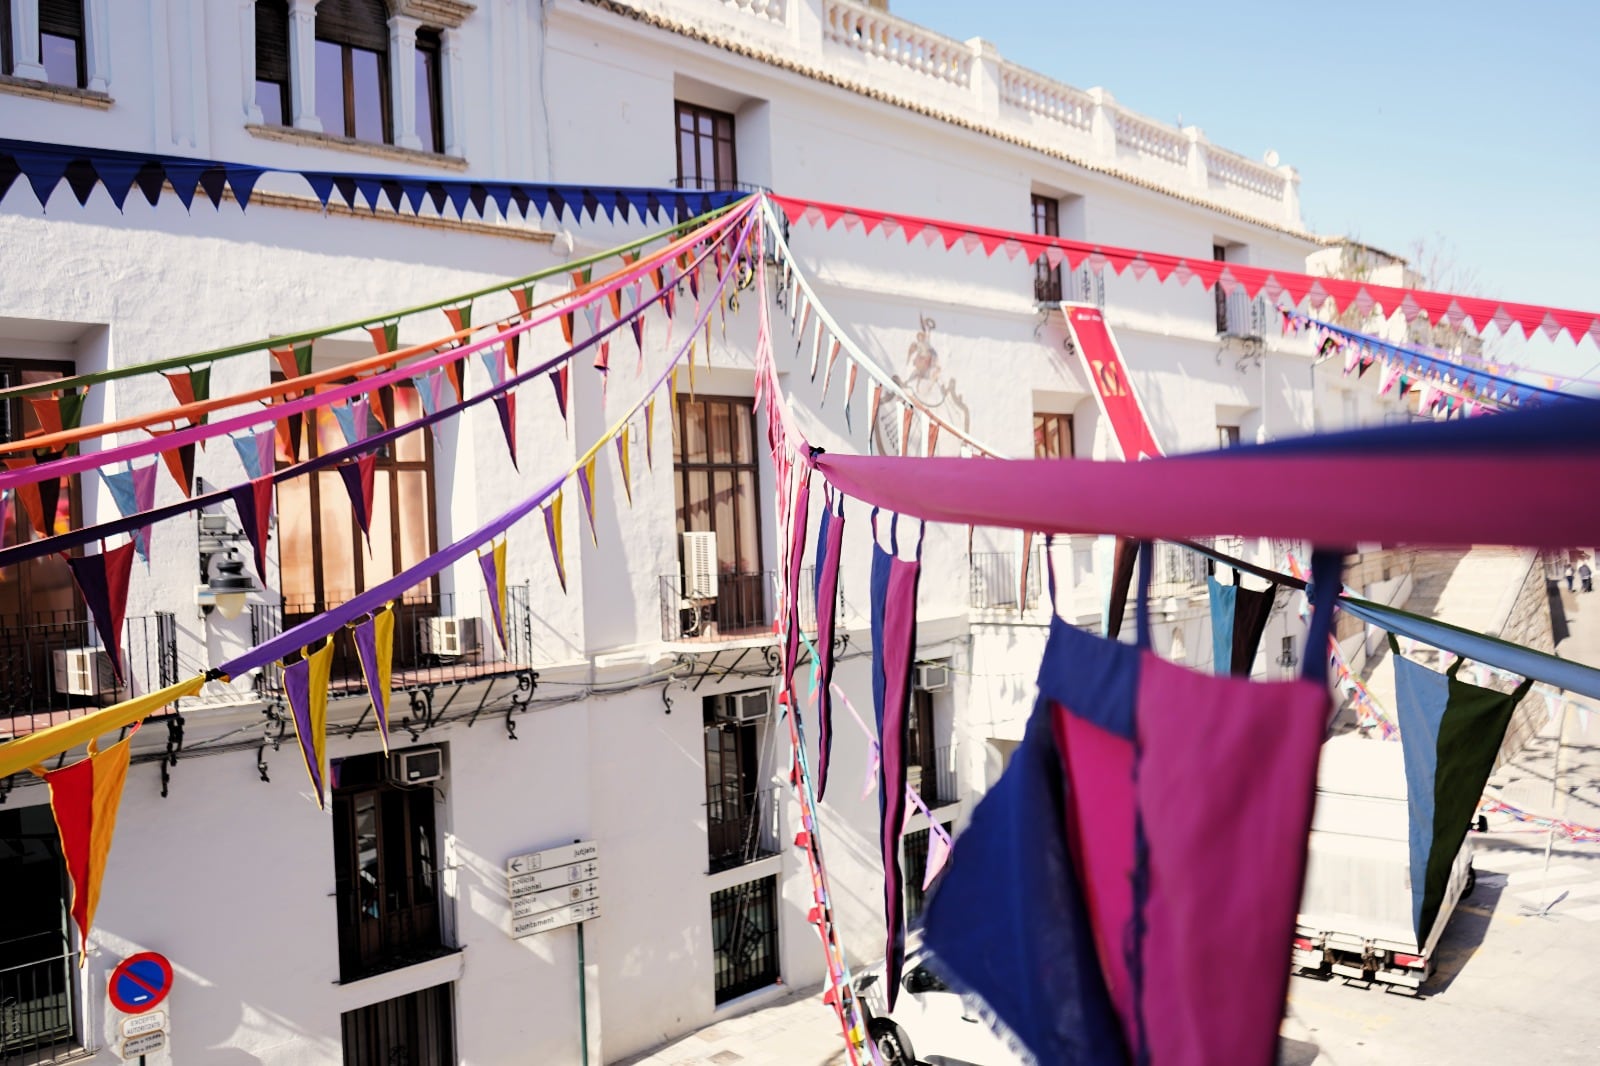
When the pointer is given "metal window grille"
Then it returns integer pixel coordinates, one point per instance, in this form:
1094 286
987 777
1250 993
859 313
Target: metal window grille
744 932
915 865
417 1030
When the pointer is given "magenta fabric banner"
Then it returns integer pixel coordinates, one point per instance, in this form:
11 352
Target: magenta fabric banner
830 542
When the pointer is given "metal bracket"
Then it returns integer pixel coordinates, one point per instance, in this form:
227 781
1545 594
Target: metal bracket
488 690
261 762
774 659
415 722
527 683
174 746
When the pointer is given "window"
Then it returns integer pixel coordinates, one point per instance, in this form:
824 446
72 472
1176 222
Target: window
744 937
714 474
929 769
272 61
40 609
1220 254
430 113
385 869
416 1030
736 799
1052 436
38 968
1046 223
705 148
352 69
324 557
62 45
1227 436
915 863
7 65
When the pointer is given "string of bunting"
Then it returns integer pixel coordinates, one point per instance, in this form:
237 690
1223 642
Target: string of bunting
169 442
1445 385
297 345
1458 310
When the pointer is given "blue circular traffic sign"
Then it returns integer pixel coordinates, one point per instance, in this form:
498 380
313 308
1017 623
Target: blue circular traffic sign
140 982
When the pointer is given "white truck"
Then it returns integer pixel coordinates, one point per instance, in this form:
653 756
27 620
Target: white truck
1355 912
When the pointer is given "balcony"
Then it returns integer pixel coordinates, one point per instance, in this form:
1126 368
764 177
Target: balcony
36 1001
429 648
741 825
738 610
934 776
53 668
996 582
386 923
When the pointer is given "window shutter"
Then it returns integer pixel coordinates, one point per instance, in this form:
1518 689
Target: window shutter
272 41
362 23
63 18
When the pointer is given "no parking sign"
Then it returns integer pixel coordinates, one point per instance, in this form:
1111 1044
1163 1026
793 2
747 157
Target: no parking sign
140 982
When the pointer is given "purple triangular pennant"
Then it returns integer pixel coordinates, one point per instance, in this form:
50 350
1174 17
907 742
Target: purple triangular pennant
103 580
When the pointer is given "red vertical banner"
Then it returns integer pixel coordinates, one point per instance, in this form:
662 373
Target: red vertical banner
1108 374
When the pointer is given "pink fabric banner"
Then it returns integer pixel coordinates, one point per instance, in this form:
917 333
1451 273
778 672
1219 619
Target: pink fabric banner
1183 497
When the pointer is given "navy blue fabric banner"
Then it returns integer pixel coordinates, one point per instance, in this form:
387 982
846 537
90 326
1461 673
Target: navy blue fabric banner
46 165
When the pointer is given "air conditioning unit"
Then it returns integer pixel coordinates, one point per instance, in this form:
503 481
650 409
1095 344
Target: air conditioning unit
931 677
700 566
417 766
450 637
746 707
83 672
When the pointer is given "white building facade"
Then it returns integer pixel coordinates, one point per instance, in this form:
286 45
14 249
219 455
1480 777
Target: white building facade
611 715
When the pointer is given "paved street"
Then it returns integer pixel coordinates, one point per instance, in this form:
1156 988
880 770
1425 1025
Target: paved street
1515 964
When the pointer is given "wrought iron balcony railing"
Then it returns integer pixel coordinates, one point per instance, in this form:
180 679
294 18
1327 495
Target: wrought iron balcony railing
36 1001
53 666
438 639
741 825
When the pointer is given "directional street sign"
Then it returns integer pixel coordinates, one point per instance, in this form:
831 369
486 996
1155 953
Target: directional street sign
552 877
554 899
553 888
548 920
565 855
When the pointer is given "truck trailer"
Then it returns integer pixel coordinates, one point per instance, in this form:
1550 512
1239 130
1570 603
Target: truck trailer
1356 909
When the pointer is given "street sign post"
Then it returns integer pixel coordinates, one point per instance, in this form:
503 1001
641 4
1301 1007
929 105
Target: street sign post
553 888
140 982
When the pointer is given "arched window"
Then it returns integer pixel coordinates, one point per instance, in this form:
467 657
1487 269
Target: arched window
352 69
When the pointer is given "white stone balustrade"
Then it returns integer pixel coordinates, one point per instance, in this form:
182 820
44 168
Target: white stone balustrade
1245 173
771 10
972 80
883 36
1151 138
1036 94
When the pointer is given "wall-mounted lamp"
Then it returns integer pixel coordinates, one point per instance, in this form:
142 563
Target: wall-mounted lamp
227 589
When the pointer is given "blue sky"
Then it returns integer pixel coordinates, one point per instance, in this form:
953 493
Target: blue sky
1473 122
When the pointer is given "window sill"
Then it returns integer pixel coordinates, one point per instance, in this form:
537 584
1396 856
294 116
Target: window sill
422 957
290 135
765 866
43 90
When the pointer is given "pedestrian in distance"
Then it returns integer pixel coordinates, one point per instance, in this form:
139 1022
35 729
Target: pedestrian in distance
1586 576
1569 577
